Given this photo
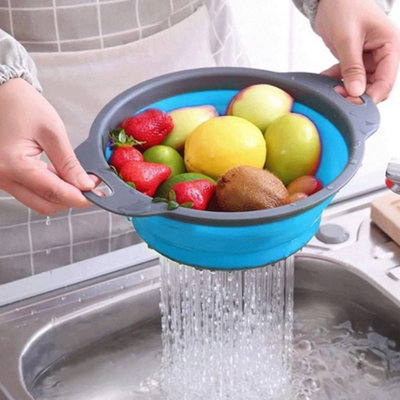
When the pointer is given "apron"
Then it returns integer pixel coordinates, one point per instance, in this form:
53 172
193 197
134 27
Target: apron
78 85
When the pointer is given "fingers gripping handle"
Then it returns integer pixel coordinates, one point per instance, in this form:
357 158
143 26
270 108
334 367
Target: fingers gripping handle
123 200
364 117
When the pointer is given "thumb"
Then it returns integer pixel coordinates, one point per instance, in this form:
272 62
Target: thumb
352 68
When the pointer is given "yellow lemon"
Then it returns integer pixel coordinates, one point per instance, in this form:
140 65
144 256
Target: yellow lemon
222 143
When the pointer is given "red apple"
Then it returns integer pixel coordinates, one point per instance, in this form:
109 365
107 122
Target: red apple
307 184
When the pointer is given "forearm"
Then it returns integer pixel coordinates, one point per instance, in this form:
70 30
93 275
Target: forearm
309 7
15 62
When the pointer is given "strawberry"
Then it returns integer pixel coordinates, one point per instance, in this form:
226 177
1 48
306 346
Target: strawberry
123 149
121 155
145 176
149 127
194 194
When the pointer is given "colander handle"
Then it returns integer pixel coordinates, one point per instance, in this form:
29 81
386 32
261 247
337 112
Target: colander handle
123 200
364 117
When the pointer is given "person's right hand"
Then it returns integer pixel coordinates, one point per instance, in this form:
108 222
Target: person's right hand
29 125
365 42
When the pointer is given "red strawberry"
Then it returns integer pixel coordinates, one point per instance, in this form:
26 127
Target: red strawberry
194 194
150 127
145 176
123 149
123 154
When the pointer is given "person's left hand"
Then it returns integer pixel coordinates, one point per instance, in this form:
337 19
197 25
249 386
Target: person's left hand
29 127
365 42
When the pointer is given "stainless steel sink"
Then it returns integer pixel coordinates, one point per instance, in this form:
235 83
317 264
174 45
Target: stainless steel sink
100 339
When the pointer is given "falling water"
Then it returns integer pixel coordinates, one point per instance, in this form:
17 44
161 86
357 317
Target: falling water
227 334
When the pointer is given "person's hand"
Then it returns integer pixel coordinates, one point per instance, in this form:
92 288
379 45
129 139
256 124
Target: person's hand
365 42
29 125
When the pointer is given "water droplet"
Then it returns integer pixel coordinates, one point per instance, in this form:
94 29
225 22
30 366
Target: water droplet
329 187
48 221
310 384
48 251
304 346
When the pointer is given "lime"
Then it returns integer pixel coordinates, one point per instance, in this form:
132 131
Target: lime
222 143
164 188
162 154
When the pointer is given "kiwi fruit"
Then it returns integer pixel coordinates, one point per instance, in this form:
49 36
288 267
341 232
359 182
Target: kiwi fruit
247 188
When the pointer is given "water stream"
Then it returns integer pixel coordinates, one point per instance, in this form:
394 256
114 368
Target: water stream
227 334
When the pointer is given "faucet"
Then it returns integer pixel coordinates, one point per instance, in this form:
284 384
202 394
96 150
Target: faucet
393 175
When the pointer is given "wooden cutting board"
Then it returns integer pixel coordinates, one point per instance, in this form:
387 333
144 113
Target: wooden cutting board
385 213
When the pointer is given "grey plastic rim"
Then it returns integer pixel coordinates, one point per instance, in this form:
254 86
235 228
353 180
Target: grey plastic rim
355 122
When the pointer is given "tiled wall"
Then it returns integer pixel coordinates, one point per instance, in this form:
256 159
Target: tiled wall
71 25
36 243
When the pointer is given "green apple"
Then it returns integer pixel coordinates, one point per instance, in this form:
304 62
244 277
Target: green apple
293 147
166 155
186 120
260 104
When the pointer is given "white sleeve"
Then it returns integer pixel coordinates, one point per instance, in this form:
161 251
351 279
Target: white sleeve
309 7
15 62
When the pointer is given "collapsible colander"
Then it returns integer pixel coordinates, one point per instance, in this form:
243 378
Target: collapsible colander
232 240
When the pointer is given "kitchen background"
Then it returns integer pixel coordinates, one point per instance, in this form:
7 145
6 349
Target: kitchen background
279 38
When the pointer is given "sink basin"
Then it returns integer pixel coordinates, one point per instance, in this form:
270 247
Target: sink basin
101 339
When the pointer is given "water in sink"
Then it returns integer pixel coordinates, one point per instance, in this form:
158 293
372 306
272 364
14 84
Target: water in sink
342 351
341 359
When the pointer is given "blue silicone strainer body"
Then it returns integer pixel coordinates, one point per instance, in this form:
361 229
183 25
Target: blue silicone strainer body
222 240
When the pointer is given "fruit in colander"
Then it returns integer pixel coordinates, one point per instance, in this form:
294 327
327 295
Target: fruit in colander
166 155
185 120
294 147
260 104
307 184
246 188
222 143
